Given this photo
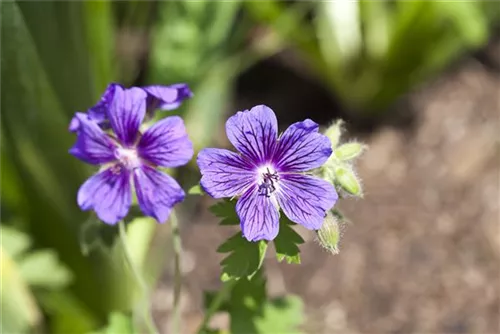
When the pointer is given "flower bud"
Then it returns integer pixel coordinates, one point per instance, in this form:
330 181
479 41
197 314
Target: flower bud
347 180
349 151
334 131
326 172
329 234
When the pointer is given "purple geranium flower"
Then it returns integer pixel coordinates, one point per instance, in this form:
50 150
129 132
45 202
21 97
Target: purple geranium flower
158 97
268 172
130 156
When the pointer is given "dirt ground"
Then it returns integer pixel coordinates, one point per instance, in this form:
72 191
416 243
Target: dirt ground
423 252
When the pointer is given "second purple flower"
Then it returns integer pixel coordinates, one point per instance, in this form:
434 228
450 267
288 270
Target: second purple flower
128 157
157 97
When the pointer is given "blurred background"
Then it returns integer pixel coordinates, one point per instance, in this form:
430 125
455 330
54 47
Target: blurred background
418 81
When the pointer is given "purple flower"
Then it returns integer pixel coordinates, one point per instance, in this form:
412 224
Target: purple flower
130 156
158 97
167 97
268 172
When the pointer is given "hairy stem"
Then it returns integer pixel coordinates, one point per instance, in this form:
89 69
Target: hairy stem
216 303
177 273
148 319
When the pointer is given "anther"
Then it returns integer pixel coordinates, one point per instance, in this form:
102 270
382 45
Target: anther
267 186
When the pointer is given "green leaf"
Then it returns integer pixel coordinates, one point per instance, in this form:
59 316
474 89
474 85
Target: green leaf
244 258
42 268
213 89
245 304
251 311
59 30
34 120
468 19
14 241
287 241
281 315
67 313
227 211
20 313
118 323
195 190
214 331
99 30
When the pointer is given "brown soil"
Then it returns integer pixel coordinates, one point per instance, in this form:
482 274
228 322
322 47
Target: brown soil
423 252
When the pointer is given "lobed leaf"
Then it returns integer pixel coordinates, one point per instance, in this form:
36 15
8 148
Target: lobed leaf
287 241
35 266
281 315
227 211
244 258
117 323
251 311
13 241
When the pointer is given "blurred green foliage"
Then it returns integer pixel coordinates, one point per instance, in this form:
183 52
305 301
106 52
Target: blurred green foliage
57 57
197 42
251 310
117 323
45 77
371 52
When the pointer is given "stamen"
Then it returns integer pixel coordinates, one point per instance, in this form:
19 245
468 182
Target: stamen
116 169
128 158
268 178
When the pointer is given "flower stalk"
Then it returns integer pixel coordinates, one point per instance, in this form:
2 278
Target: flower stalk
176 320
148 319
219 298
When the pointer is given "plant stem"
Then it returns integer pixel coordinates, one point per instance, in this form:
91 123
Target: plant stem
176 239
148 319
215 304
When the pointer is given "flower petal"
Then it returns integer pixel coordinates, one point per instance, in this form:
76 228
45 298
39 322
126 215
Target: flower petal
305 199
167 97
74 124
92 144
259 217
301 147
166 143
108 194
224 173
254 133
126 113
157 192
99 111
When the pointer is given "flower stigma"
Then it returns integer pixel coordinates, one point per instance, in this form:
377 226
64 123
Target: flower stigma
268 177
128 158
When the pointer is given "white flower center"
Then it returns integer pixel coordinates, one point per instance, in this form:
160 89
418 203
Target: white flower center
267 180
128 157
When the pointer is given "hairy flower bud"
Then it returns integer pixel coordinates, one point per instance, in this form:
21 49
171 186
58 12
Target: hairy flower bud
348 181
349 151
334 131
329 234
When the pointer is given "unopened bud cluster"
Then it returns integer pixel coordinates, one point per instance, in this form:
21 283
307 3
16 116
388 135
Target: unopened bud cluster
339 168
